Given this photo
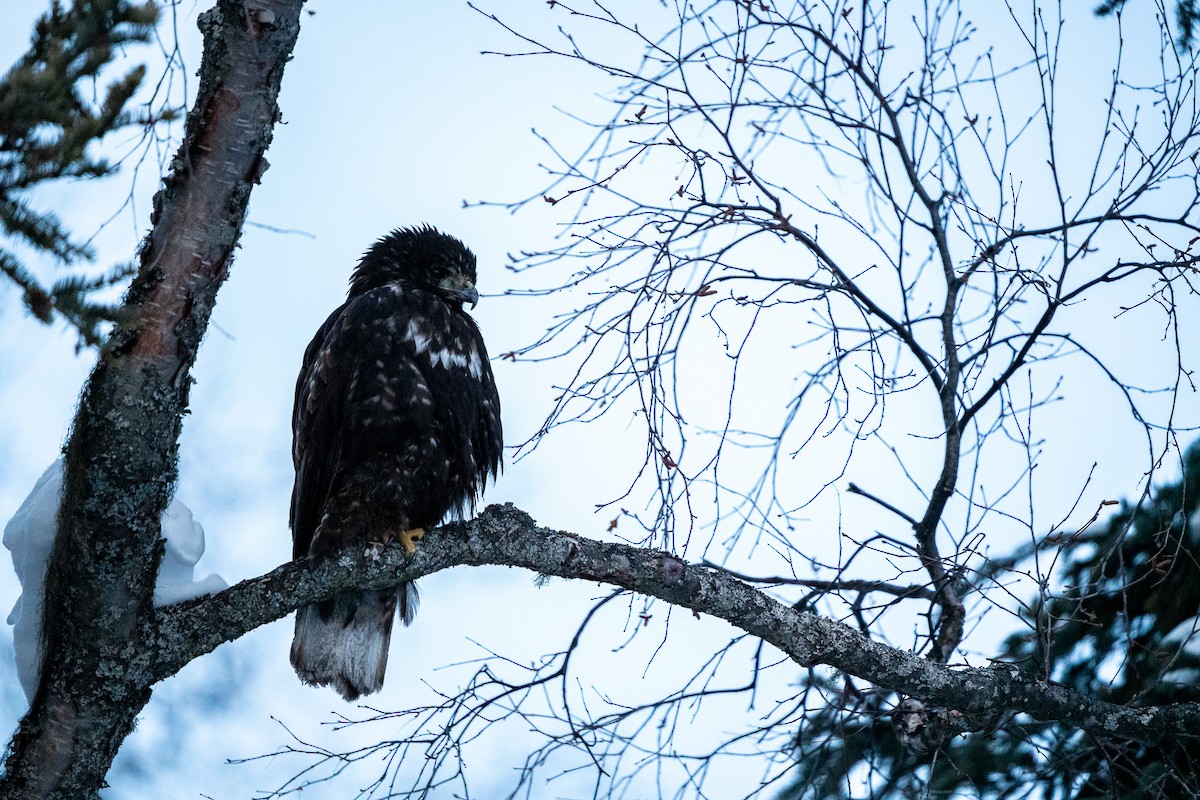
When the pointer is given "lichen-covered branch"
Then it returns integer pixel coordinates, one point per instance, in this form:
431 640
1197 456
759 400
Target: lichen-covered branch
505 535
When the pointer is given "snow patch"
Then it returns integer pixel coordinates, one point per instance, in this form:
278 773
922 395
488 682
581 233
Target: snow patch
185 544
1184 640
29 535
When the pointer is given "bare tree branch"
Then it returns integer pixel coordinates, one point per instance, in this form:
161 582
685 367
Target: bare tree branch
505 535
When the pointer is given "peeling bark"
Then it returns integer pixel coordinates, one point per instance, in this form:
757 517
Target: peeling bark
121 456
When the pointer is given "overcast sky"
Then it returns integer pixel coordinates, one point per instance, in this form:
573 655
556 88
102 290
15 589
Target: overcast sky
392 117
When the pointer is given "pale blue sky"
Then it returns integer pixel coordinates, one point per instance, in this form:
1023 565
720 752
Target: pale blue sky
393 117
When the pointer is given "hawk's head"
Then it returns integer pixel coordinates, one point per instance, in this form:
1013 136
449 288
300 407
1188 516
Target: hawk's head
423 258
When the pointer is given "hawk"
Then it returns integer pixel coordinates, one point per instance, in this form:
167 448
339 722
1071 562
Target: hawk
396 425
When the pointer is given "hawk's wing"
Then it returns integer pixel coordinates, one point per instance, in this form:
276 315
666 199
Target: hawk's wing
316 423
394 372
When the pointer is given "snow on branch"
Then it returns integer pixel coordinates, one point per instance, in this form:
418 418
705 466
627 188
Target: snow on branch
29 536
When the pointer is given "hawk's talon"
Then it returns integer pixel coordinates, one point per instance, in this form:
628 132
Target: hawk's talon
407 537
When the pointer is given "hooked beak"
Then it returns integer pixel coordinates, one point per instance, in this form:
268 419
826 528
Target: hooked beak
458 287
469 294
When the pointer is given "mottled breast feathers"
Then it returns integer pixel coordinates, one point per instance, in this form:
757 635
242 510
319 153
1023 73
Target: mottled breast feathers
397 380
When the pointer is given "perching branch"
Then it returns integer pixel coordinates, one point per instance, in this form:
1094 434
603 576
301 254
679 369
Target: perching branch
505 535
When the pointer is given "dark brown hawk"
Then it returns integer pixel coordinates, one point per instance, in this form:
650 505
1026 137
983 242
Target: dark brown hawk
396 425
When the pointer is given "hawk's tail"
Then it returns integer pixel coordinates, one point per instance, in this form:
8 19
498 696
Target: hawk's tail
343 642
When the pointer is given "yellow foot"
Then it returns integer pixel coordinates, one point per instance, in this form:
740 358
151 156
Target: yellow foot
407 537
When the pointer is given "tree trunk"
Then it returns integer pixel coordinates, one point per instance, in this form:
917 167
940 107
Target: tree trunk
121 456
